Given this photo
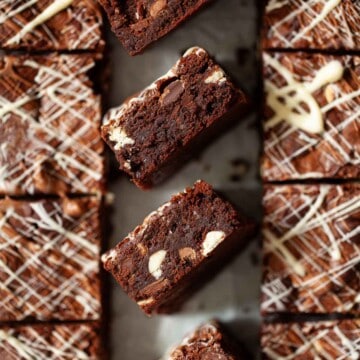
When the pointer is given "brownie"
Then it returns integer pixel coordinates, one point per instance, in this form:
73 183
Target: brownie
155 131
48 25
210 341
311 122
51 342
138 23
311 258
49 259
312 25
50 114
335 340
177 248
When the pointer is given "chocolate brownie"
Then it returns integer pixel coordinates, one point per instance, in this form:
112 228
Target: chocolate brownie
163 260
335 340
49 259
312 124
50 117
311 249
138 23
51 25
51 342
209 341
315 24
154 132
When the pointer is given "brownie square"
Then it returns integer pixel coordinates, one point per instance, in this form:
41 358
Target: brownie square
312 25
137 24
49 259
311 120
209 341
177 248
50 117
52 342
335 340
48 25
154 132
311 258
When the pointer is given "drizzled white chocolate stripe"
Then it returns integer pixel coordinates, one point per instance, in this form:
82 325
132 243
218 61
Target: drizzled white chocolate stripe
55 342
65 132
307 94
310 239
325 22
82 32
58 263
330 340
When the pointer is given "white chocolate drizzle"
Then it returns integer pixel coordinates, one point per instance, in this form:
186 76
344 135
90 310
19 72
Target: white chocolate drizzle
61 261
287 102
316 252
63 134
330 340
54 8
323 22
65 342
337 105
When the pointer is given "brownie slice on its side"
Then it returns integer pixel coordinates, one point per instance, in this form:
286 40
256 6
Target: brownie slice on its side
154 132
49 259
51 25
311 260
51 342
312 25
138 23
177 248
210 341
335 340
311 122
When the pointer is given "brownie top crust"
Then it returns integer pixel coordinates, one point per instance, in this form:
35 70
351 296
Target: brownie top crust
312 24
48 25
51 342
311 249
49 259
152 127
209 342
49 126
335 340
311 122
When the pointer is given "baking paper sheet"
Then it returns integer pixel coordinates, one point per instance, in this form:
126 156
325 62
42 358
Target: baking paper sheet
227 29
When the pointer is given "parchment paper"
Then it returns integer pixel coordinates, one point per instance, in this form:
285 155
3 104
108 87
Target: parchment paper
227 29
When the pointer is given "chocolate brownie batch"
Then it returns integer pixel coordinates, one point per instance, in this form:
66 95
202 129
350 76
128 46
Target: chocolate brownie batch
53 180
311 169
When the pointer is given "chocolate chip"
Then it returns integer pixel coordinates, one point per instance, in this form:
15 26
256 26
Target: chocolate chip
172 92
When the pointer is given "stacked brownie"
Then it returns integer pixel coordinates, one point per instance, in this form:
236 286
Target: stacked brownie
311 168
51 180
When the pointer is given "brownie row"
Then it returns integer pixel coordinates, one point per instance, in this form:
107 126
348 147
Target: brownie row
52 178
310 166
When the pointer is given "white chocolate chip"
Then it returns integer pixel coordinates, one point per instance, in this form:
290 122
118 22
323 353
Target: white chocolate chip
146 302
212 240
155 262
217 77
111 255
119 136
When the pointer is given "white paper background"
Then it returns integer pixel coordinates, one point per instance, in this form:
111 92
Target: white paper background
227 29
